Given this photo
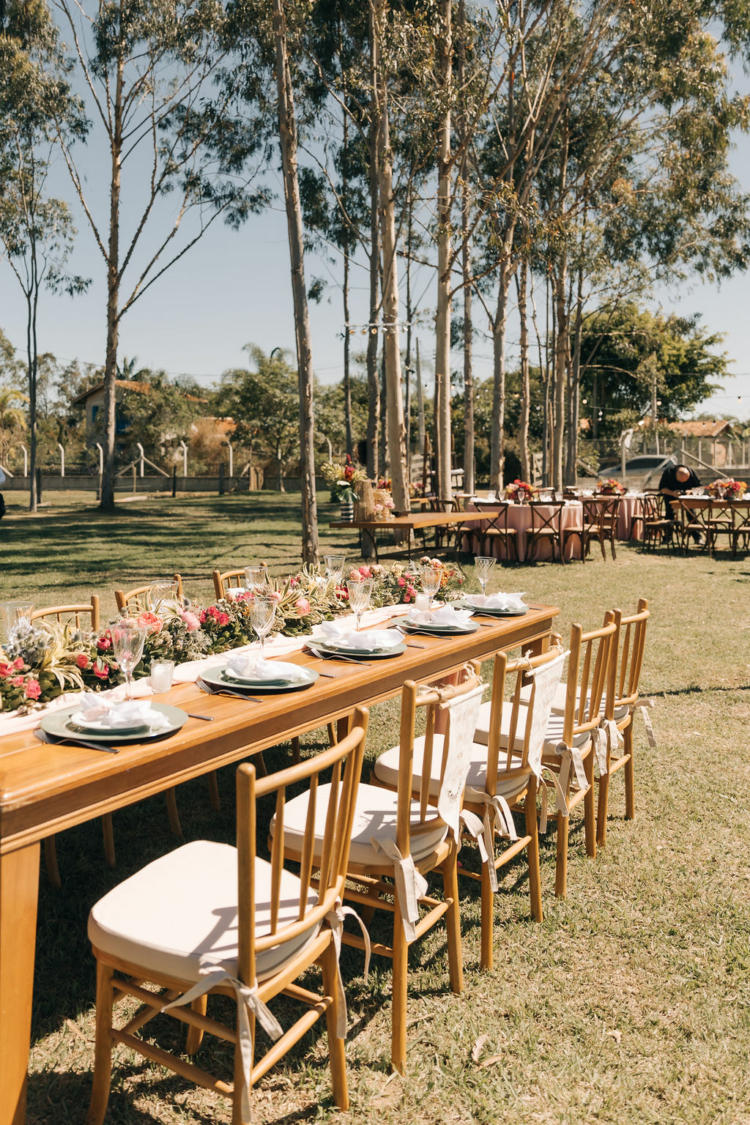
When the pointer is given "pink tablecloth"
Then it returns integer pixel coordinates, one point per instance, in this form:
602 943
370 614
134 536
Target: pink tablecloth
630 506
519 519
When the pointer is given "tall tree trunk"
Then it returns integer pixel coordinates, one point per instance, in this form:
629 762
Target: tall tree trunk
561 358
391 342
522 281
499 331
468 332
113 301
31 354
373 381
409 313
575 382
443 320
420 403
288 140
347 375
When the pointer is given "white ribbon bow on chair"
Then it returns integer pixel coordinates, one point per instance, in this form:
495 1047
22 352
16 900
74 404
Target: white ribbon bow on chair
248 1004
335 919
644 706
411 885
607 738
497 817
571 756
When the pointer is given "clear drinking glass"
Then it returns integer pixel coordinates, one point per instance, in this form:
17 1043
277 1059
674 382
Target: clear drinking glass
163 593
128 639
335 567
483 567
162 673
430 578
256 578
359 597
262 612
16 618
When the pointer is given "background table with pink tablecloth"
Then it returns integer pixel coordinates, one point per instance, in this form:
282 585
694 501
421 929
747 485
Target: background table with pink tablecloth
630 505
519 520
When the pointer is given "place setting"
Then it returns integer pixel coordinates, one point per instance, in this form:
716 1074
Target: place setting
95 723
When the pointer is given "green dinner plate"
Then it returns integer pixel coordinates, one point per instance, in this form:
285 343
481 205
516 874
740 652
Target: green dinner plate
217 678
496 612
441 630
59 726
378 654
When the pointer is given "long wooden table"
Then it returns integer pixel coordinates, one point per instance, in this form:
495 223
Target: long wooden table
45 789
414 521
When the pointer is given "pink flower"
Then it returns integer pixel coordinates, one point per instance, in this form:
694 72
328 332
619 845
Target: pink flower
365 572
407 598
274 596
191 621
17 681
82 660
150 621
223 618
101 670
411 591
33 689
5 669
103 644
401 581
18 663
302 606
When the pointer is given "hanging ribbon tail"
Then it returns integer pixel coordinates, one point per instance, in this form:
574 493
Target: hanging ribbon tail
483 834
571 756
248 1004
644 705
607 740
335 919
410 884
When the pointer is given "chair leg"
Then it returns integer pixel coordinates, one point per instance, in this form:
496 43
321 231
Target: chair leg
336 1046
561 865
532 852
102 1046
213 791
194 1036
108 833
589 808
237 1117
398 988
602 810
172 813
296 758
629 774
453 921
332 740
50 859
486 956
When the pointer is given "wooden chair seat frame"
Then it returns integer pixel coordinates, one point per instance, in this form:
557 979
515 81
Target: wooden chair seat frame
496 528
545 526
345 761
656 526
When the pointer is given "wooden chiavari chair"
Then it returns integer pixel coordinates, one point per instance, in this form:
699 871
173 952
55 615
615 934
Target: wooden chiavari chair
75 615
229 580
600 515
656 526
497 531
503 774
639 517
623 698
692 521
397 840
210 919
546 527
132 600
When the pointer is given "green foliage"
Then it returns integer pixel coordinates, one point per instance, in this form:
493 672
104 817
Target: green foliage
264 402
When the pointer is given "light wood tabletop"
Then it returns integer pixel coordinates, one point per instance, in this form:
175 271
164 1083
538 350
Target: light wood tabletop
45 789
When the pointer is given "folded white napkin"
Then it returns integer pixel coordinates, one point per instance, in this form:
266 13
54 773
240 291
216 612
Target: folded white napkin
249 666
109 716
368 641
233 592
447 615
497 601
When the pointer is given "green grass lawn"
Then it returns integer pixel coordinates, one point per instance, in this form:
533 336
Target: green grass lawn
629 1004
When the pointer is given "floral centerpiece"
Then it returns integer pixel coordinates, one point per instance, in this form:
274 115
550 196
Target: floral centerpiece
520 491
610 487
341 480
383 504
729 489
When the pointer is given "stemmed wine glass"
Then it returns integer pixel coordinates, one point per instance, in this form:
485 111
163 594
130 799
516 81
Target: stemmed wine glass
483 568
335 567
430 578
16 618
262 613
256 578
128 638
359 597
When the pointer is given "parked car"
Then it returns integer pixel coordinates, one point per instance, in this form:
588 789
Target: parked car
640 472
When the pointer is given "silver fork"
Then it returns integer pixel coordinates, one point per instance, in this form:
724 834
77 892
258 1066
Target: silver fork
44 737
226 691
343 659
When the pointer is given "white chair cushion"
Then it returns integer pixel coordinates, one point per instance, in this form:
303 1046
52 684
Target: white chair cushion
183 905
558 703
553 734
374 815
386 770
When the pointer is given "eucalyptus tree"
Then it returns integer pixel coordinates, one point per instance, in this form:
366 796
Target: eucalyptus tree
36 230
148 73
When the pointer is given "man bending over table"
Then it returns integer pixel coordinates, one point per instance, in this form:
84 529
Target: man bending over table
675 481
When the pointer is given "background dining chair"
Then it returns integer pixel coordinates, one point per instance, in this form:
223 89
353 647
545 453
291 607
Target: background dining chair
546 527
211 919
398 840
495 529
81 617
137 598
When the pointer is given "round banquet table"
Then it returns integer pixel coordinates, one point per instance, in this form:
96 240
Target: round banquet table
630 505
519 519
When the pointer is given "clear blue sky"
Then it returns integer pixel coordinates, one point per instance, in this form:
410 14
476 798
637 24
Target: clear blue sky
233 288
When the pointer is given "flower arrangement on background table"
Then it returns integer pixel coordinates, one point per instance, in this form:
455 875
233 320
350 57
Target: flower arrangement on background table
341 480
610 487
729 489
52 658
520 491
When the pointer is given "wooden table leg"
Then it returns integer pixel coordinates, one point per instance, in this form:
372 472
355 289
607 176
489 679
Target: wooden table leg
19 887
